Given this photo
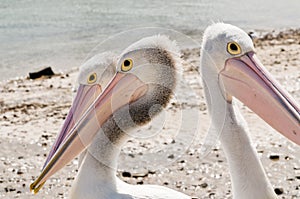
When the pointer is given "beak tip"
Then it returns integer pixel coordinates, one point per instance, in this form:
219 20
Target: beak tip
35 189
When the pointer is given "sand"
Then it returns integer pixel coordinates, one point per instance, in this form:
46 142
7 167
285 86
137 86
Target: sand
32 113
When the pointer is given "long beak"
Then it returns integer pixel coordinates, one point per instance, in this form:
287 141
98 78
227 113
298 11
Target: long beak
122 90
85 96
247 79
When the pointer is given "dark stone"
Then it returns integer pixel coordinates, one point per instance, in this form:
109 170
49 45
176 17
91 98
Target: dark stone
274 157
45 136
131 155
126 174
204 185
151 172
12 189
287 158
278 191
19 172
44 72
140 182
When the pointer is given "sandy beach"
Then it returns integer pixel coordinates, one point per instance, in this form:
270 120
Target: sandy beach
32 113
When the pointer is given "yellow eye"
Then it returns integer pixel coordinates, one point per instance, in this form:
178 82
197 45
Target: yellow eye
234 48
127 65
92 78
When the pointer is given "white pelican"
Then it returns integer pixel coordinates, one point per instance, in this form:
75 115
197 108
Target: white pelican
145 76
230 69
93 75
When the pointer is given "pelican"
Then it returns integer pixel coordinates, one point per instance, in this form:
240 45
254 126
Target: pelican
95 72
231 70
145 76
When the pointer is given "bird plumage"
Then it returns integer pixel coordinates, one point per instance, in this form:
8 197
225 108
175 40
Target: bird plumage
227 55
156 62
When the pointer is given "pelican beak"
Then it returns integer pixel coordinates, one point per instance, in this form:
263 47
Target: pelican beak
247 79
82 124
85 96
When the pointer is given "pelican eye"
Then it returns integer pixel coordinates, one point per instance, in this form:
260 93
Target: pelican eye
127 65
92 78
234 48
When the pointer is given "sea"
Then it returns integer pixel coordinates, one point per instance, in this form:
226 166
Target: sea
62 33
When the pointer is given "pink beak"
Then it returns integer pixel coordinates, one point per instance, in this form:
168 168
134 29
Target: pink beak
90 110
247 79
85 96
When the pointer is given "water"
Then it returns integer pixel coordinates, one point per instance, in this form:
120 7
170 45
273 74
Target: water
36 33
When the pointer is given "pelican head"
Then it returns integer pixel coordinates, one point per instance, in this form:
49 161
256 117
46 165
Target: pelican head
224 41
144 78
93 74
229 62
98 70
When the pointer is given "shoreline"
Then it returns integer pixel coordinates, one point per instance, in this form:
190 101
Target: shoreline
32 112
260 36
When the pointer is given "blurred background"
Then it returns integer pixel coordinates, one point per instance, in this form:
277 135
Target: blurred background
38 33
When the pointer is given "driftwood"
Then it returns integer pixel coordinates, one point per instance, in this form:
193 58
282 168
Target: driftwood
44 72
